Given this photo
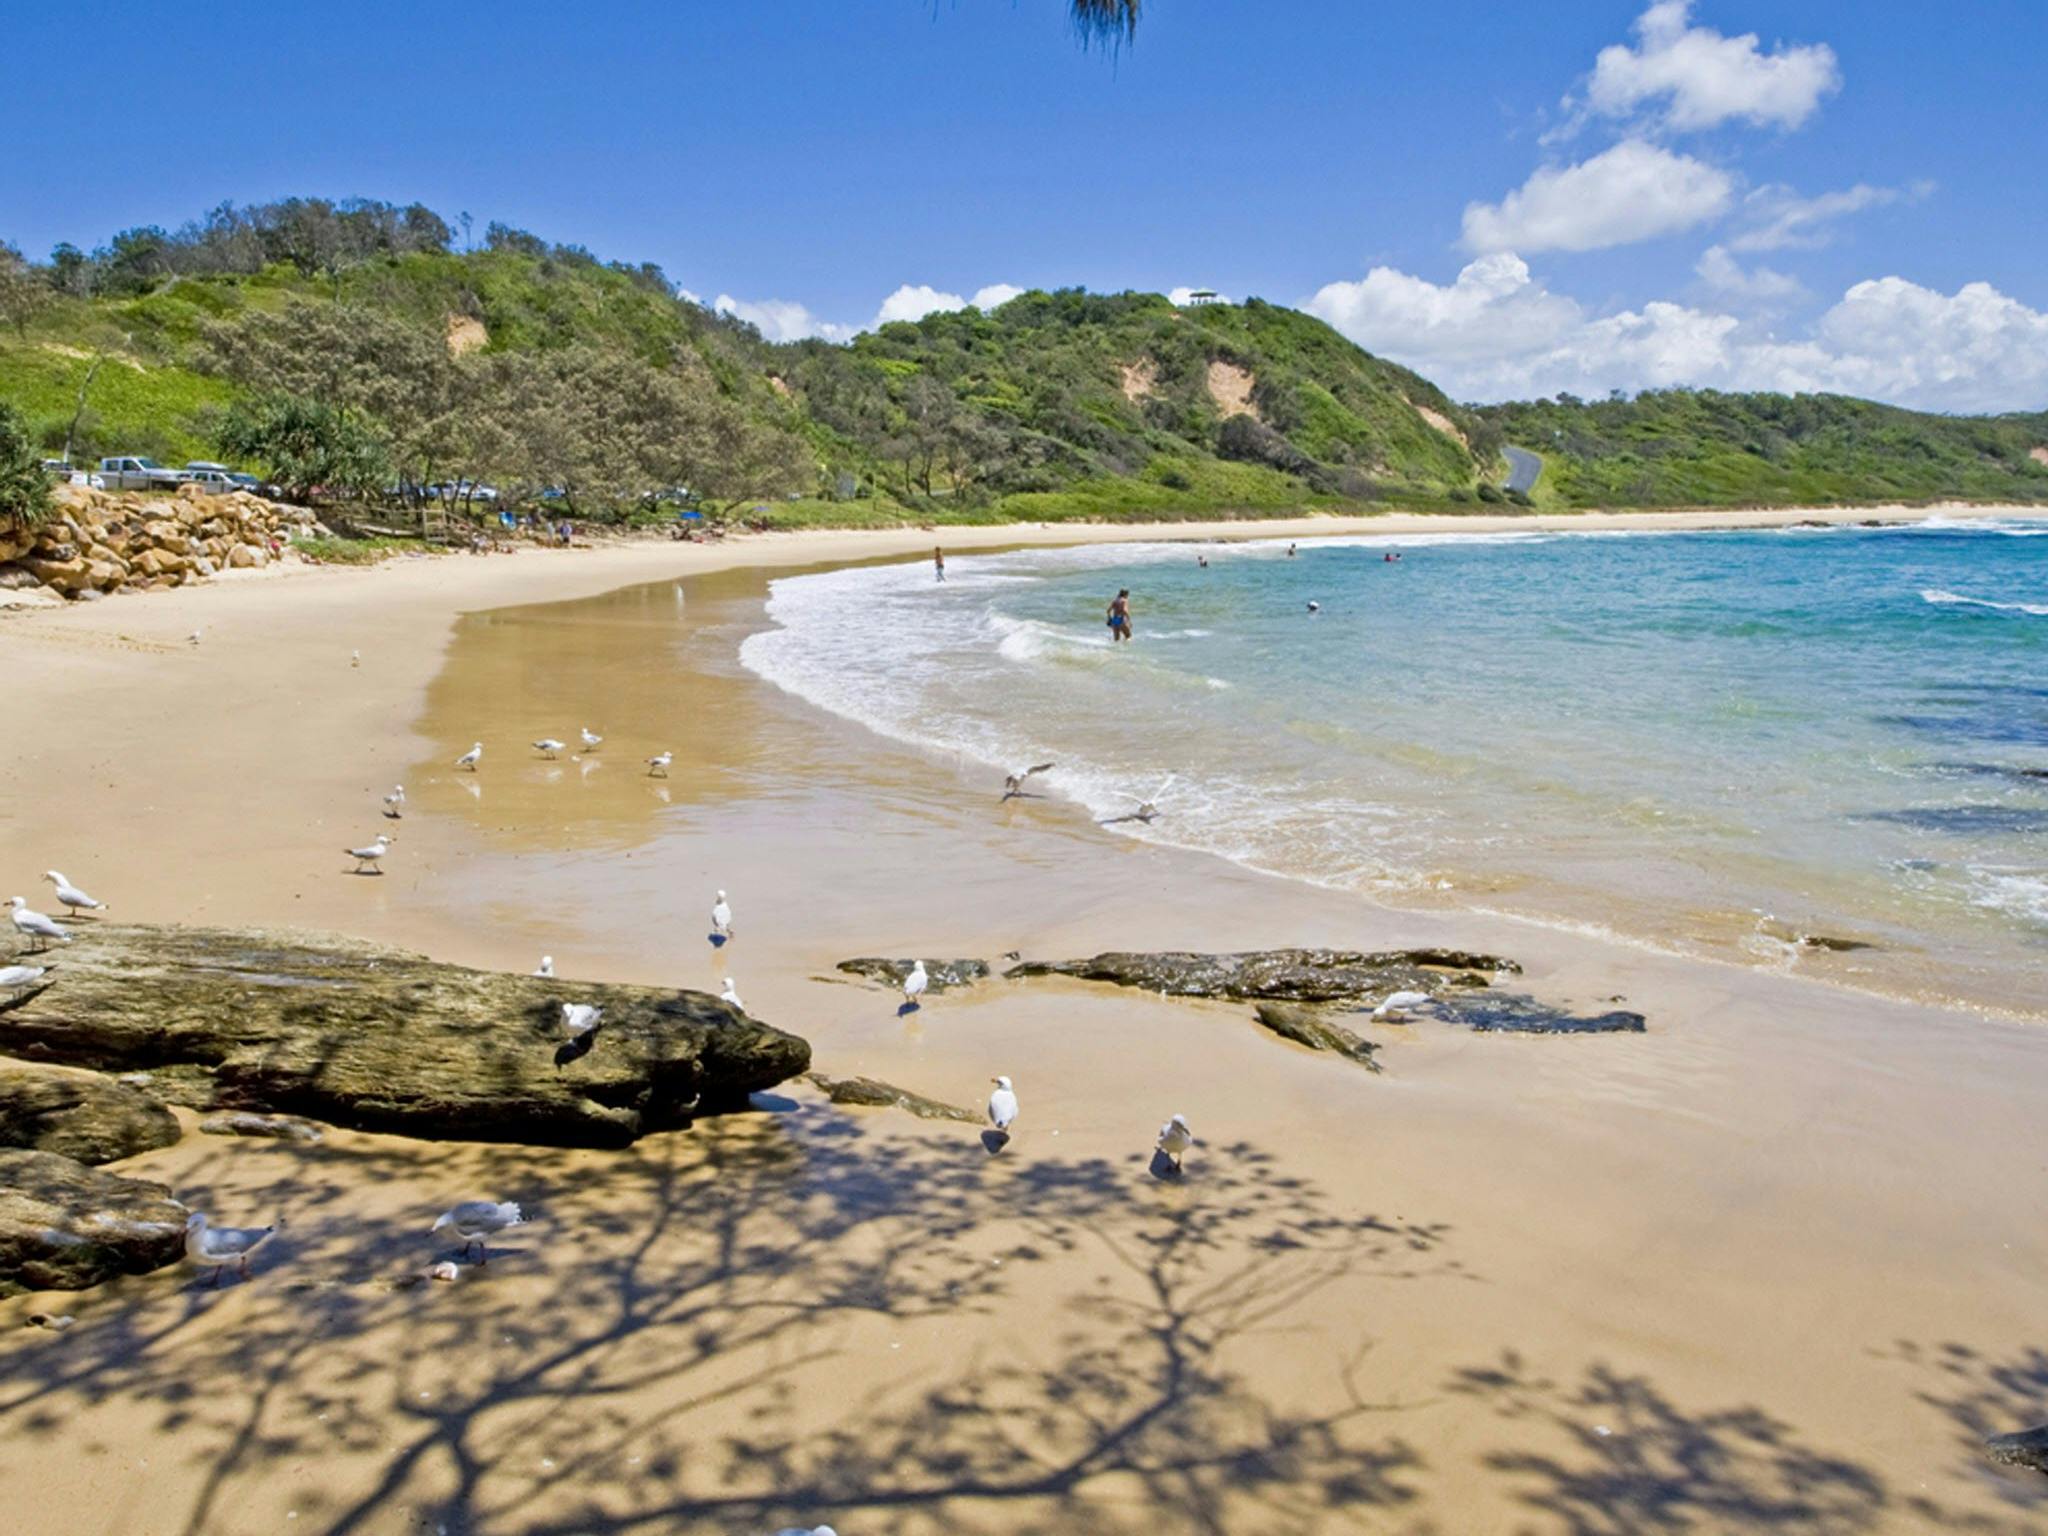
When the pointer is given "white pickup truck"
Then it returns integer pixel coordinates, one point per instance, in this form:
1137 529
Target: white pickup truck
133 473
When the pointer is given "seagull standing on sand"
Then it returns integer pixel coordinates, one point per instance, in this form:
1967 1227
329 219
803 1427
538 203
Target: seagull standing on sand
193 638
721 917
547 746
394 803
915 983
547 966
1398 1005
19 975
366 858
579 1019
471 758
476 1222
222 1246
731 994
1013 785
657 765
71 895
591 740
35 926
1002 1105
1175 1138
355 658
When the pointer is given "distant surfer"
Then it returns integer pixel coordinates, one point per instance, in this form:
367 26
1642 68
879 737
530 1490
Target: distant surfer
1290 551
1120 615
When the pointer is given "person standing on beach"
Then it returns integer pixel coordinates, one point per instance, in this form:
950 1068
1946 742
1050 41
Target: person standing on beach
1120 615
938 563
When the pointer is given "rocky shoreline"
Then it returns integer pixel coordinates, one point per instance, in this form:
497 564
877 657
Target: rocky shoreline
101 542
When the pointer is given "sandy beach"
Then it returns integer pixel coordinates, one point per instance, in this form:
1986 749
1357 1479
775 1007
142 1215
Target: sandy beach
1766 1267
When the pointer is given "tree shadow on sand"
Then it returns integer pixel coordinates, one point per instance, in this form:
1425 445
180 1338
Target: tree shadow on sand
692 1336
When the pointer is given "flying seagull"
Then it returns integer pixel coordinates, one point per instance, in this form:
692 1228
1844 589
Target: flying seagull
731 994
394 803
71 895
471 758
579 1019
1175 1138
657 765
476 1222
19 975
547 966
366 858
1014 784
721 917
591 740
38 928
222 1246
547 746
1002 1105
915 983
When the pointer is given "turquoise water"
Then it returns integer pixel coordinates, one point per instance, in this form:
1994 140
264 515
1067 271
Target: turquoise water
1712 742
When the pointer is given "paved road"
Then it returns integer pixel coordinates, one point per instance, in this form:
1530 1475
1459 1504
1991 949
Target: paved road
1523 468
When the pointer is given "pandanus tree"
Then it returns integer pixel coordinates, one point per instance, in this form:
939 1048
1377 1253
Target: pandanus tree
1107 21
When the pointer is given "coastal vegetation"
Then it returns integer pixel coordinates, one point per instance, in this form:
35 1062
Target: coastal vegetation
367 352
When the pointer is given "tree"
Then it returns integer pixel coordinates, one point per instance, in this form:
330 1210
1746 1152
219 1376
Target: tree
306 444
22 292
1109 22
24 487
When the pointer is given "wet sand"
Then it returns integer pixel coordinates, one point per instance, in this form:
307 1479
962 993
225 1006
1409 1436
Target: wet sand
1770 1266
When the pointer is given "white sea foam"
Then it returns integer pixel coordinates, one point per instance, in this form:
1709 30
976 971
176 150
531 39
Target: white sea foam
2021 893
1943 599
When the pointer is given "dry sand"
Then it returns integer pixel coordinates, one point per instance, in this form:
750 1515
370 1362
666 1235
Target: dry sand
1769 1267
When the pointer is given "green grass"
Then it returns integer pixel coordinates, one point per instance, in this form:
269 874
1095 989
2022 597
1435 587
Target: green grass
368 551
166 412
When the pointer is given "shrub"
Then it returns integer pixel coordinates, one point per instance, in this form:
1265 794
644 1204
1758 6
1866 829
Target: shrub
24 487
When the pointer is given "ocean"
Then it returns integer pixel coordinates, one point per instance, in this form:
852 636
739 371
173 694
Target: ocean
1817 748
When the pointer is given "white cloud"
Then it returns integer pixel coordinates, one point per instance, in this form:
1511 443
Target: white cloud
913 301
1779 219
1497 333
1756 286
995 295
1634 191
781 319
1693 77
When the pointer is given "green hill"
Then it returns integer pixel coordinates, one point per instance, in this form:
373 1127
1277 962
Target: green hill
352 345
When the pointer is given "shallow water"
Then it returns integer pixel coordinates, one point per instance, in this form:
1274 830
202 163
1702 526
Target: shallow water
1709 742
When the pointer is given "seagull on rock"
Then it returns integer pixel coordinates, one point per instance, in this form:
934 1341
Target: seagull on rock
731 994
38 929
12 976
1398 1005
222 1246
71 895
579 1019
471 758
547 966
914 984
1174 1140
721 916
1002 1105
657 765
476 1222
547 746
394 803
366 858
591 740
1013 784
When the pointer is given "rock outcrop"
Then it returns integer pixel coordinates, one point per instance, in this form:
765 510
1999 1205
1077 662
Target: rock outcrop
873 1094
64 1226
2028 1448
1304 1026
372 1038
1513 1013
79 1115
240 1122
1283 975
107 541
941 974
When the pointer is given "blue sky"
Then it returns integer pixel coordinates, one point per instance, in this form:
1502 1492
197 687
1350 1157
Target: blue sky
1515 200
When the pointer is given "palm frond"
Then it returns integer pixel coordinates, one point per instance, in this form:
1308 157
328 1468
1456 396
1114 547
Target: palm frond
1109 22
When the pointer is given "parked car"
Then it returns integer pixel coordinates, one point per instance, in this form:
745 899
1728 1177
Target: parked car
131 472
463 490
217 482
58 469
236 477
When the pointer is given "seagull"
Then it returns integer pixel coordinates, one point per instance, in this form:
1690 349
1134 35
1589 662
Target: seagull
394 803
547 966
355 658
471 758
657 765
1002 1105
71 895
579 1019
476 1222
1398 1005
1314 606
1175 1138
915 983
547 746
39 929
731 994
591 740
1014 783
1149 807
222 1246
193 638
19 975
368 857
721 917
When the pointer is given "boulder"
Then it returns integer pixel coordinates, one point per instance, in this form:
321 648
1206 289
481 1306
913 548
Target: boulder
872 1093
64 1226
373 1038
79 1115
278 1127
942 973
2027 1448
245 556
1304 1026
1288 975
1514 1013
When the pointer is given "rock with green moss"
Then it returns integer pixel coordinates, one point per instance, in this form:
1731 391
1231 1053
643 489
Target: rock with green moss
64 1226
79 1115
